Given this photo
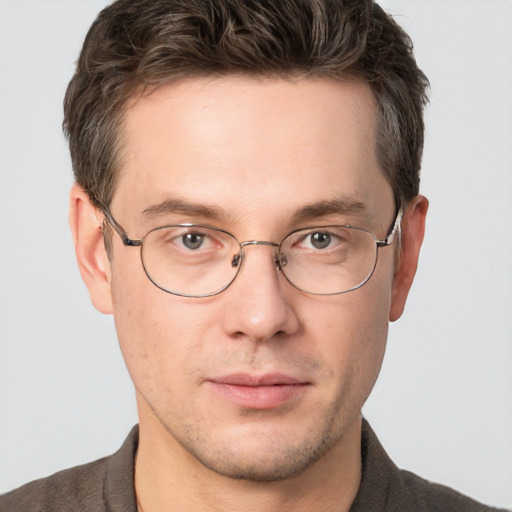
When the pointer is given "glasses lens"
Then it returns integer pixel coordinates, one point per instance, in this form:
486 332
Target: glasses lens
328 260
190 260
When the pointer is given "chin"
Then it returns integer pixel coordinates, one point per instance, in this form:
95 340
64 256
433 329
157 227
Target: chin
265 466
259 453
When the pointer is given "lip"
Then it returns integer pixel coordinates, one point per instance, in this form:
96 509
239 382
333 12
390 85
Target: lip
250 391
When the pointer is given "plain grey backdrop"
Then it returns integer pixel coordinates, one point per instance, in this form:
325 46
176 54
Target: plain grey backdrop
443 404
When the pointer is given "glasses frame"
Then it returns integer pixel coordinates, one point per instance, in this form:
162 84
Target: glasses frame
131 242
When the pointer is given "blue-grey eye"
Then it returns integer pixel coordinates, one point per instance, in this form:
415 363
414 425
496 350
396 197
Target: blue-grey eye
192 240
320 240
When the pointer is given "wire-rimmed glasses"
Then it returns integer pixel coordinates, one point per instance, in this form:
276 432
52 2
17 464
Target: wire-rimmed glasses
194 260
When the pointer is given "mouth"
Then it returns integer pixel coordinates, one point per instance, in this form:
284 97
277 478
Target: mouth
259 392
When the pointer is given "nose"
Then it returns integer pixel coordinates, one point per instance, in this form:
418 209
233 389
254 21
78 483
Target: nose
256 307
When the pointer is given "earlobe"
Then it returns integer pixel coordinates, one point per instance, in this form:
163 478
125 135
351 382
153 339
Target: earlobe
413 230
93 262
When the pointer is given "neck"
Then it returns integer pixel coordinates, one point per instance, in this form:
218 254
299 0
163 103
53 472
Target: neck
169 479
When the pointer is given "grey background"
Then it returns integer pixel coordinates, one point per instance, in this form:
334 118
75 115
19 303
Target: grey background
443 404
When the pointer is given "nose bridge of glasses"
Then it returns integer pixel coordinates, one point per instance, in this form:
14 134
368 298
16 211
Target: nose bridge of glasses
258 242
237 258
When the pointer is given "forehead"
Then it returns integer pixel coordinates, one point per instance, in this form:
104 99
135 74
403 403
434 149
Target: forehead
243 144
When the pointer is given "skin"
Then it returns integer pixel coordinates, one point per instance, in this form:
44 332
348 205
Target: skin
256 151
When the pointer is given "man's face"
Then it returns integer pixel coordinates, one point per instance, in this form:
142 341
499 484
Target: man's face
263 379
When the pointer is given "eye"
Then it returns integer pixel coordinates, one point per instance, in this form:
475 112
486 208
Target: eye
195 244
318 240
195 241
192 240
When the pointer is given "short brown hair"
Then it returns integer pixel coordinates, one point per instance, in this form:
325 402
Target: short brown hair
136 45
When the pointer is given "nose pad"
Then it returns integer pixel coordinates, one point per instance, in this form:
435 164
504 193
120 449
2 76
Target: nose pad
281 260
237 258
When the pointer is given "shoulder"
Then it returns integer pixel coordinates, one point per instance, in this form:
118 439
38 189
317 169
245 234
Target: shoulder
386 487
77 488
103 485
434 497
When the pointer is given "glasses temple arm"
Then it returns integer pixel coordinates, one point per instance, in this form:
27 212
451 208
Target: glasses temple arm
120 231
393 231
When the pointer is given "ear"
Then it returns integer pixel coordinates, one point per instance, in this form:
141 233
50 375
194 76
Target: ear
412 232
86 228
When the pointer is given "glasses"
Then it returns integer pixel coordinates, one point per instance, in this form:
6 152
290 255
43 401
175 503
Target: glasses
193 260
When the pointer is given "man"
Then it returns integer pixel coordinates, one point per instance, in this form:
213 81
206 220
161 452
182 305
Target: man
247 207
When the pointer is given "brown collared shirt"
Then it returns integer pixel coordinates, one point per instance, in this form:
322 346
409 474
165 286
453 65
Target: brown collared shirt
107 485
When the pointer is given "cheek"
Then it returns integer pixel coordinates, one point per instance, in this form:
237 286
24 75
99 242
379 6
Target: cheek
372 305
348 322
352 336
158 332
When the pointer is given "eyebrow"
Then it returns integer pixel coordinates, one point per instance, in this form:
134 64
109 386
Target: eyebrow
344 206
183 207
